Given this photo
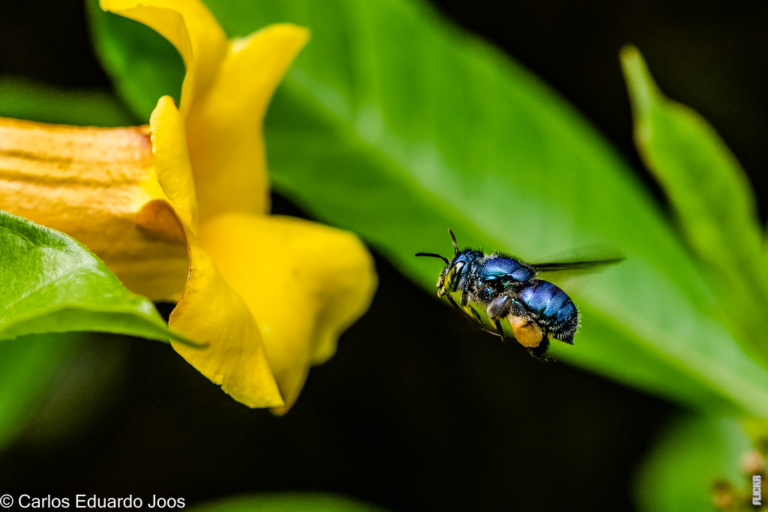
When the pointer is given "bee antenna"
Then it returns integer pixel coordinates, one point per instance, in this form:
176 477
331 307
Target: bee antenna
455 247
432 255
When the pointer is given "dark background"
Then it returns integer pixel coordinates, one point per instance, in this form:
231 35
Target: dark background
418 410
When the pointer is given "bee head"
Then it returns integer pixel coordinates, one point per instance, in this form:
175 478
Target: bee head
454 270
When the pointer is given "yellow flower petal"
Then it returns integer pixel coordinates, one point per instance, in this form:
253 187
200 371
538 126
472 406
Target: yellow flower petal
172 159
304 282
209 310
91 184
191 28
225 127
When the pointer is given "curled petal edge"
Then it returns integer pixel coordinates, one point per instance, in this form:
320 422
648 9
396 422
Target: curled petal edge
209 309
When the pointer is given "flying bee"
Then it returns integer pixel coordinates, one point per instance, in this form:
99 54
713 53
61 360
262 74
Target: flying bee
503 296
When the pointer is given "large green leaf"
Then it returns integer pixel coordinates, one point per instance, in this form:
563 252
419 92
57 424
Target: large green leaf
396 125
51 283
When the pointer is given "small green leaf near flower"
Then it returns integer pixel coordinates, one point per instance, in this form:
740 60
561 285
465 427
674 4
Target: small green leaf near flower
51 283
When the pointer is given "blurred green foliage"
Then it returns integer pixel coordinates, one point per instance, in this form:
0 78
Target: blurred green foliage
694 452
716 214
24 99
27 365
287 502
712 201
148 80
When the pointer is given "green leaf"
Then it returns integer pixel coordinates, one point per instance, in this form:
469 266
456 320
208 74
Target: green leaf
397 126
285 502
27 365
23 99
707 187
693 453
51 283
709 193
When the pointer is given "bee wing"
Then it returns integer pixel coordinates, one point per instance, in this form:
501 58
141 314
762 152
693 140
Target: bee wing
584 260
571 275
577 266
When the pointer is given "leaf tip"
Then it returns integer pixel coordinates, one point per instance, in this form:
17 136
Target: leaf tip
640 85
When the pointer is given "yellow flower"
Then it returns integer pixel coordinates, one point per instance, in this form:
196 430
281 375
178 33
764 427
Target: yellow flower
177 210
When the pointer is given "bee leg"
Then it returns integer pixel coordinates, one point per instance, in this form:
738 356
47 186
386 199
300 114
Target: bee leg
517 309
465 295
539 351
499 307
475 318
497 325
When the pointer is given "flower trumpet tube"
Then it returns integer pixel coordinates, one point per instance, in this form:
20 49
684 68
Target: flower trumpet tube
178 210
90 183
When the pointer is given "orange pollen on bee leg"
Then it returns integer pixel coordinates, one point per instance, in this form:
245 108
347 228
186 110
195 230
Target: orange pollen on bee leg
526 331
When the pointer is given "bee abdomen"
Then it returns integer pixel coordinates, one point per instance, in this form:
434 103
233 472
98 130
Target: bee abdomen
553 309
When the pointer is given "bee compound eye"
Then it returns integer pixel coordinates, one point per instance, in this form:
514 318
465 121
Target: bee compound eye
454 275
527 332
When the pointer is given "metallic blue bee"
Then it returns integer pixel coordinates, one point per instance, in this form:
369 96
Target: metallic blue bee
502 295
